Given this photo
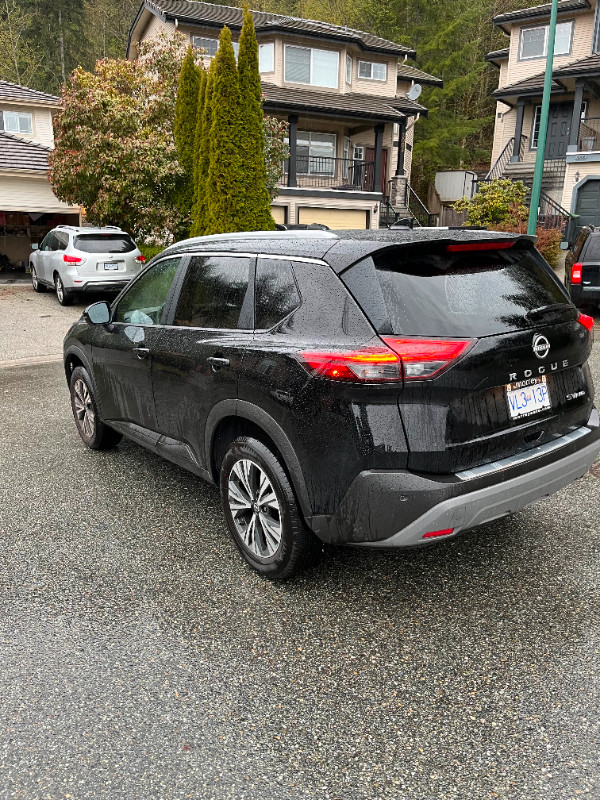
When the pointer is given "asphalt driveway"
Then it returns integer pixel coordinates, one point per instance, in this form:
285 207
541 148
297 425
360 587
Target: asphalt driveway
139 658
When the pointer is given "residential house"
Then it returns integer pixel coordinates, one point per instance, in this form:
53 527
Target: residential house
345 94
572 153
28 207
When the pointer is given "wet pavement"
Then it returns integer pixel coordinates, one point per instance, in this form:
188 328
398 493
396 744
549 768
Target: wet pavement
139 657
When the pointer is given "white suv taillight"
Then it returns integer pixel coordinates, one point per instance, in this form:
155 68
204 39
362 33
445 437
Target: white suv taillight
140 259
73 259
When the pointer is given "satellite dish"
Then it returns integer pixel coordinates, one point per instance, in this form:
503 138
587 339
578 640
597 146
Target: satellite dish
415 91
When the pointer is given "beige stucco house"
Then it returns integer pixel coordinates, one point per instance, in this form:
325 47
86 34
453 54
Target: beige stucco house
28 207
344 93
572 153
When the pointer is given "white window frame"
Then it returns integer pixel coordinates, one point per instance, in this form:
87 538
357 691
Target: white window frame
346 160
18 115
372 64
262 49
312 51
546 29
196 43
358 153
349 70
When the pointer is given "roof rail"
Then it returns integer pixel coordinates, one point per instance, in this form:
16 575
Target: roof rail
112 227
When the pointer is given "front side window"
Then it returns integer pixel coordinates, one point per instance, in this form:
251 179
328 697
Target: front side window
315 153
534 41
144 303
372 71
213 292
18 122
311 66
276 294
210 46
266 57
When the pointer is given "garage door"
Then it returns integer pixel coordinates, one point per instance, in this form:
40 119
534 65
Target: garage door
588 204
278 214
334 218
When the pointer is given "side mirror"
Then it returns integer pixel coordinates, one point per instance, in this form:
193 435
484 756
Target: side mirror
35 247
98 313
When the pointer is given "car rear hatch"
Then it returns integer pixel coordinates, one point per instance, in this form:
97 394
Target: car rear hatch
106 256
494 353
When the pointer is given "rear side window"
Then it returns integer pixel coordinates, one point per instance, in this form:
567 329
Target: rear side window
591 251
213 293
276 294
426 291
104 243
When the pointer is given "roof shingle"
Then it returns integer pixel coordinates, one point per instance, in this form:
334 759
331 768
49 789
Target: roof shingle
12 91
17 154
414 74
352 104
564 7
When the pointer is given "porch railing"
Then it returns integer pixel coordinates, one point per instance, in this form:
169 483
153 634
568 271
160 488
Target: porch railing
589 134
324 172
497 168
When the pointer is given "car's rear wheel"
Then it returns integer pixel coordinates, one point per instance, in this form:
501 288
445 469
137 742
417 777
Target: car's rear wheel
63 297
94 432
37 286
262 513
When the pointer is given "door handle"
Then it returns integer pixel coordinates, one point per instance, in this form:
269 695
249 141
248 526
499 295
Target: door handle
217 363
141 352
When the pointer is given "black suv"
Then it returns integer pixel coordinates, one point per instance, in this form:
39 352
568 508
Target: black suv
582 268
379 388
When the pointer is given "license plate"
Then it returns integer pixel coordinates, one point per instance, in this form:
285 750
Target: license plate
527 397
108 265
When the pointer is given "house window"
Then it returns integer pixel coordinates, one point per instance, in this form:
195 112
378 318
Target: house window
534 41
372 71
17 122
359 153
266 57
348 70
315 153
211 46
311 66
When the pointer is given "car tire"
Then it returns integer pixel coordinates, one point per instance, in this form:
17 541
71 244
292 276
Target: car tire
37 285
95 433
62 295
262 513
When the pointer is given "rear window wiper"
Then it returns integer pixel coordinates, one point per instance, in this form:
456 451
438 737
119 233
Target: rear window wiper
542 311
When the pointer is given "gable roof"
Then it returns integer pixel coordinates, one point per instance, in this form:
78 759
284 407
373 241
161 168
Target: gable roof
17 154
564 7
417 75
590 65
208 14
22 94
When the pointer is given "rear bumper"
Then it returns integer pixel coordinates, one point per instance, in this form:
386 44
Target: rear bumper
395 509
582 295
99 286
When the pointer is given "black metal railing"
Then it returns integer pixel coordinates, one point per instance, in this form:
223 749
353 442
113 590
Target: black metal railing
418 209
589 134
325 172
499 165
550 213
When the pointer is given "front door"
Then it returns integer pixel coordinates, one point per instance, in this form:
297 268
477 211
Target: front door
559 125
369 182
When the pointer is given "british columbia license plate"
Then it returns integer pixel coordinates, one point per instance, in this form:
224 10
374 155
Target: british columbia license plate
527 397
108 265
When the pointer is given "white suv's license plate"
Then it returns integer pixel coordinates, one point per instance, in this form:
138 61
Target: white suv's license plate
108 265
527 397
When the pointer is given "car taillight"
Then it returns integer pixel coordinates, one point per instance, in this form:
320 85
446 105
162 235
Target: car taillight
73 260
140 259
586 321
424 358
576 273
369 364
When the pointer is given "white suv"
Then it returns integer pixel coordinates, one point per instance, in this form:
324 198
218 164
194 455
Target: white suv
76 260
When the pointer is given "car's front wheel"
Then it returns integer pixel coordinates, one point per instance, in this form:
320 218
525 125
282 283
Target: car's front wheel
262 513
94 432
63 297
37 286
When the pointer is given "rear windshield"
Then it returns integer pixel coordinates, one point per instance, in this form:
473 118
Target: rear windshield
592 250
104 243
429 292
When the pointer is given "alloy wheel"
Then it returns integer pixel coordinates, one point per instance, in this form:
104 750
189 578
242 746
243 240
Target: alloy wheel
254 508
60 289
84 409
34 278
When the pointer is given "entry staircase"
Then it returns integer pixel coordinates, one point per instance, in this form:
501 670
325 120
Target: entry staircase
410 208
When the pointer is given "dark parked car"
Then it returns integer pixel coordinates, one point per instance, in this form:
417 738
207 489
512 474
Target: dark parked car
582 268
379 388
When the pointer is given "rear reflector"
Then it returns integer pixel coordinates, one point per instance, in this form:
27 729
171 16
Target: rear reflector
576 273
140 259
370 364
464 248
433 534
424 358
73 260
586 321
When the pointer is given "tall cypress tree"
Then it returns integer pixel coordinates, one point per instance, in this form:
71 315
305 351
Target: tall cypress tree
202 153
225 186
257 204
186 113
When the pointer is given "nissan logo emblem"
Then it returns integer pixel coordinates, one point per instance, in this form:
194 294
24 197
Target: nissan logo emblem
541 346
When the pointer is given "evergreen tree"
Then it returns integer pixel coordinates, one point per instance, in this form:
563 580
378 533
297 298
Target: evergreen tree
225 186
202 154
186 112
257 205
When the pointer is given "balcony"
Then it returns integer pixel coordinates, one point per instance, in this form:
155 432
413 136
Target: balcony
589 135
325 172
